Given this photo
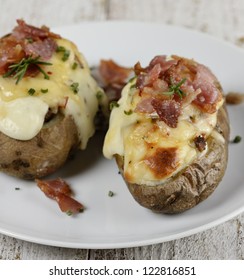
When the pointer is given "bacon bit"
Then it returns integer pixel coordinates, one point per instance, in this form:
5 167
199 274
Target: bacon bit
60 191
44 48
25 31
200 87
234 98
200 143
167 110
151 77
157 67
10 52
145 106
113 73
113 77
210 93
53 187
68 205
163 162
163 62
26 41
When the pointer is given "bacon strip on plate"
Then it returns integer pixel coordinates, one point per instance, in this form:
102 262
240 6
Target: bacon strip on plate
60 191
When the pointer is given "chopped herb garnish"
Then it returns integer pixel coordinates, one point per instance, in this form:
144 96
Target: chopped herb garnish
133 86
99 95
110 193
69 213
17 189
60 49
29 40
31 91
74 66
237 139
175 89
19 69
75 87
113 104
44 90
131 79
66 55
128 112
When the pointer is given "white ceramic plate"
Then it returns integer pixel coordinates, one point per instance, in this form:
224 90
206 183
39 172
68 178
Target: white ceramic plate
118 221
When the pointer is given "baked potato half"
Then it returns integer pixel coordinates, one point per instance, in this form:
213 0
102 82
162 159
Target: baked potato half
169 134
43 154
48 101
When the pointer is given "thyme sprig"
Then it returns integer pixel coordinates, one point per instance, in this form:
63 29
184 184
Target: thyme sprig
19 69
175 89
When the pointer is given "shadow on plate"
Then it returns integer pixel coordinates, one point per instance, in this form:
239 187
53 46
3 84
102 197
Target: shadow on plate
83 160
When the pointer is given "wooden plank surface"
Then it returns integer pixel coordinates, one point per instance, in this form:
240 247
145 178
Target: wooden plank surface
221 18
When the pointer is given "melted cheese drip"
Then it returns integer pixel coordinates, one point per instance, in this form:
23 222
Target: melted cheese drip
22 116
136 137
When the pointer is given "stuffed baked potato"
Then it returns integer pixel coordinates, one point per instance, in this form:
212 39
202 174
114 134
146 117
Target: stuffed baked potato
169 134
48 101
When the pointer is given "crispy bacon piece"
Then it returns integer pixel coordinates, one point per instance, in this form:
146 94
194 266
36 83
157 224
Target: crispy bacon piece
26 31
60 191
167 110
10 52
113 78
158 90
157 67
44 48
210 91
200 143
68 204
145 106
112 72
25 41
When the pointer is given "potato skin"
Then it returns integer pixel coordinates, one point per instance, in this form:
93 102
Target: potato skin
43 154
194 184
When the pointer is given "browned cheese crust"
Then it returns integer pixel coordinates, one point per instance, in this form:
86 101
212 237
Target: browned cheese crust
43 154
194 184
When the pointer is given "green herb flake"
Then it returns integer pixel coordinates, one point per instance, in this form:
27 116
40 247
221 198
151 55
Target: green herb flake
69 213
31 91
110 193
133 86
132 79
18 70
29 40
113 104
75 87
175 89
128 112
44 90
66 55
60 49
237 139
74 66
99 95
17 189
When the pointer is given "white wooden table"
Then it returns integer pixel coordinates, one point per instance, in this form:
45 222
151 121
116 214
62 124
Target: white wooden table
221 18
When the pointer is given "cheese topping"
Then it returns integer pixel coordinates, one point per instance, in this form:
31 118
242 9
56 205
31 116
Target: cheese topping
152 150
70 88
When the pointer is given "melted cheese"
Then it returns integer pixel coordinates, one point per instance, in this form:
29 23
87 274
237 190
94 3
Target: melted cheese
22 116
138 138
